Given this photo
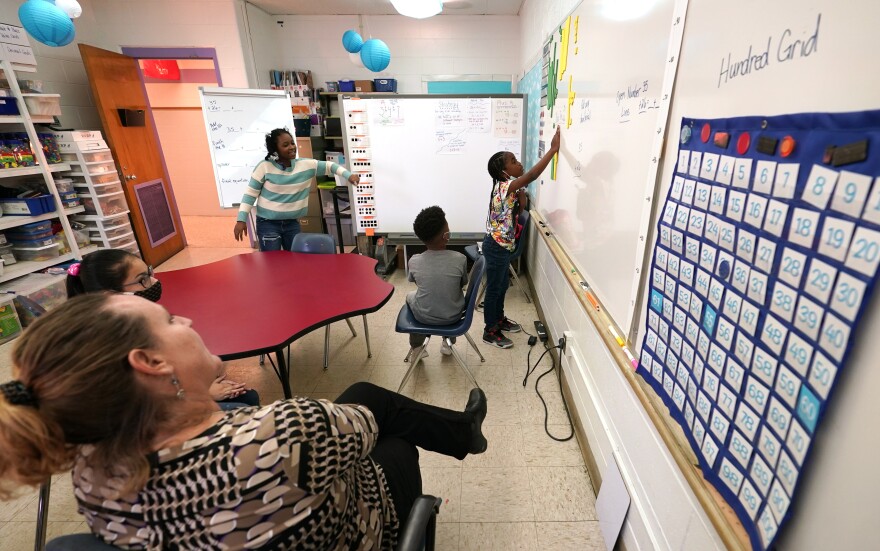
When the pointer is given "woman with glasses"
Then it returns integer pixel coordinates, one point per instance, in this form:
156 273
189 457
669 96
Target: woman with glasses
123 272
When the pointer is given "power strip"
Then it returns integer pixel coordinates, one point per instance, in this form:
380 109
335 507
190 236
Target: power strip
540 331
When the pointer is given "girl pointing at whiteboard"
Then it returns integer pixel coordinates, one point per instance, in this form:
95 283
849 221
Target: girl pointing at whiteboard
508 190
281 183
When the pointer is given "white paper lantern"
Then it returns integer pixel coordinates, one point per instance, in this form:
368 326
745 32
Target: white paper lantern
70 7
355 58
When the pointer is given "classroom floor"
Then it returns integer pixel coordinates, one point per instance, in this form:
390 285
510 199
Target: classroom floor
526 492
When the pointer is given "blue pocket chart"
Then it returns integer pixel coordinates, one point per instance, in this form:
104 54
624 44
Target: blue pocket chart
780 217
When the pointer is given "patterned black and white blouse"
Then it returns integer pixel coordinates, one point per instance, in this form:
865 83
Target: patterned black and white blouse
291 475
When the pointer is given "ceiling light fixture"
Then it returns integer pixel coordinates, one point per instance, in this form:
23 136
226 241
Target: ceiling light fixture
418 9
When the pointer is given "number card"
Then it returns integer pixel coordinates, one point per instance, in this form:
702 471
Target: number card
764 173
850 194
760 273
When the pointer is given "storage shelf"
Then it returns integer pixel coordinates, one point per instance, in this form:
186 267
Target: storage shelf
18 119
11 221
29 170
332 137
24 267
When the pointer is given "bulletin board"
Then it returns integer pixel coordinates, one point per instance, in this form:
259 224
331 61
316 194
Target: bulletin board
765 257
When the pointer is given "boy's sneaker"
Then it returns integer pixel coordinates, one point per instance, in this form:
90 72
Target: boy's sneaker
496 338
510 326
445 349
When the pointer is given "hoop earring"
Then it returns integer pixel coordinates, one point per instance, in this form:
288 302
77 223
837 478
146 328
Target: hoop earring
274 156
181 394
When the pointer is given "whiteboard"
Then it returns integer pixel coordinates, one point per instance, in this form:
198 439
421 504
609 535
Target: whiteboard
610 105
416 151
237 121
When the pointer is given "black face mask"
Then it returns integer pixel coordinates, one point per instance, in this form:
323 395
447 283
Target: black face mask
153 293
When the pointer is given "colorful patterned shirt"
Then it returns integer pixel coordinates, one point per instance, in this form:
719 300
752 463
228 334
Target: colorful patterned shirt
500 223
284 192
291 475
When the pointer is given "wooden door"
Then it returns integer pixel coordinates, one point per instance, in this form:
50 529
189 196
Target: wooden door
116 84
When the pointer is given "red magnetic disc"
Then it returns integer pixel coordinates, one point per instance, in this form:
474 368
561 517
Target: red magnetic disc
705 132
787 146
743 142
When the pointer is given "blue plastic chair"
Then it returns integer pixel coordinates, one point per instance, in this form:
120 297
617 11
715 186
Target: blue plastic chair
321 243
474 252
407 323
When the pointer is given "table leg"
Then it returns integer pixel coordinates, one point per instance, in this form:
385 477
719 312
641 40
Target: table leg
283 373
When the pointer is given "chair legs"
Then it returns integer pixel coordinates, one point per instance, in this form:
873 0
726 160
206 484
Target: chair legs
519 284
326 344
367 336
420 353
461 362
474 345
353 334
42 516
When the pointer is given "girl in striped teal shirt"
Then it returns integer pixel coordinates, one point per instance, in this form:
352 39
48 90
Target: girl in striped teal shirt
281 183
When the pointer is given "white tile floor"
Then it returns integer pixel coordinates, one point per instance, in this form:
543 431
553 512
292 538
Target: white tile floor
526 492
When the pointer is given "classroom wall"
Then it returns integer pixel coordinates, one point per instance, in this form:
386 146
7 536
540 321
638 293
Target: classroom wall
664 514
443 45
110 24
260 37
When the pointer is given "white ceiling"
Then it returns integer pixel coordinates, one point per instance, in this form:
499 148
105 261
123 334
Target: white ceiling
383 7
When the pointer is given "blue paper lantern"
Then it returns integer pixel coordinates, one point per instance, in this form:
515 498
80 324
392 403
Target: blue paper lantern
375 55
352 41
46 22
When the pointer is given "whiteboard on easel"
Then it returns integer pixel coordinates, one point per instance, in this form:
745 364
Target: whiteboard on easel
237 121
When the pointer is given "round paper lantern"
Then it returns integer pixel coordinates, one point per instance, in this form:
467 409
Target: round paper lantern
375 55
352 41
355 58
70 7
46 22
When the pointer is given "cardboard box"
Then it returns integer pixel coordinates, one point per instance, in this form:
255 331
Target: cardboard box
363 86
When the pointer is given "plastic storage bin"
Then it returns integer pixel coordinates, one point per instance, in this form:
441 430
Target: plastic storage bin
89 156
104 205
36 254
107 178
10 325
86 188
64 185
32 230
385 84
30 206
43 104
130 247
47 290
101 167
7 255
346 85
8 106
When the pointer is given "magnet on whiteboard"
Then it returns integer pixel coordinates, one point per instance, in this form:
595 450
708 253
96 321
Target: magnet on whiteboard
685 136
743 142
722 139
705 132
767 145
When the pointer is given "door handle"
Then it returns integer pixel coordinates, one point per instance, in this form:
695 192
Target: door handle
132 177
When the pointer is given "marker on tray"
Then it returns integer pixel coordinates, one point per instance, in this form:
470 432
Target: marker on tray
635 362
614 334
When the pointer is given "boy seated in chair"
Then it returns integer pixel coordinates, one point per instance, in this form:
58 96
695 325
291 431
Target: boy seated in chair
439 274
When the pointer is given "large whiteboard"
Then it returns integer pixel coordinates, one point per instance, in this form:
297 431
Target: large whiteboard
416 151
612 75
237 121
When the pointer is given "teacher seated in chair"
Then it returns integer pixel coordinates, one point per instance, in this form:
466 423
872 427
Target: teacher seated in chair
123 402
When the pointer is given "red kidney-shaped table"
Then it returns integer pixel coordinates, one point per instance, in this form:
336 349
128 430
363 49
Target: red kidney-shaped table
259 303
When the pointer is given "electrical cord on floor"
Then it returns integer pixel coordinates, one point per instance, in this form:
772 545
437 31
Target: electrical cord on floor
531 370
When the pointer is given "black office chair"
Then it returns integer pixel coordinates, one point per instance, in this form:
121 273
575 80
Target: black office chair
418 533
